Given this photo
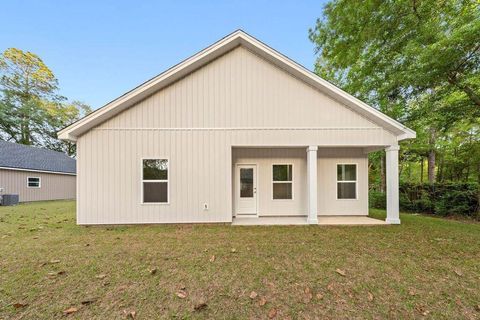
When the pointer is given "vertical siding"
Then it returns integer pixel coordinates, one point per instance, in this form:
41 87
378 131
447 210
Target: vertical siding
328 204
53 186
264 159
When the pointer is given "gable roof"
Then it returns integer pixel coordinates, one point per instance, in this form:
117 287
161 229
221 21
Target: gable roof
233 40
22 157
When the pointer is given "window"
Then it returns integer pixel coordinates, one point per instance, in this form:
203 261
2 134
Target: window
33 182
346 181
282 181
155 180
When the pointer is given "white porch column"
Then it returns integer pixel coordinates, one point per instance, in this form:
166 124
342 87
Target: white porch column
312 184
393 216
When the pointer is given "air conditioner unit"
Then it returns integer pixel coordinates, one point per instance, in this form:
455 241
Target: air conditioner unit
9 199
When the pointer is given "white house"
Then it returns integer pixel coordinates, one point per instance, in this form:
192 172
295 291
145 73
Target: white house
237 130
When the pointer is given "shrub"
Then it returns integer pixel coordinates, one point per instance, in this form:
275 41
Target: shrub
439 198
377 199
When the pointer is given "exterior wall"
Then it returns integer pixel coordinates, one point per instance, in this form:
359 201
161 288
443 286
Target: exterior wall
327 201
237 100
264 159
328 204
53 186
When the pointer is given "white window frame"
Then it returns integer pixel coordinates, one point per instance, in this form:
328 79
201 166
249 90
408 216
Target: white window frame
39 182
148 181
350 181
293 178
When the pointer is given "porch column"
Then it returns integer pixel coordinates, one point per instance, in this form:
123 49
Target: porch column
312 184
393 216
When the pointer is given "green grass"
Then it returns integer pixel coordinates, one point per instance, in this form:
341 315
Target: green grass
426 267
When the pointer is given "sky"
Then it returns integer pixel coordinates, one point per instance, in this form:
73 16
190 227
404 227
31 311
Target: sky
100 49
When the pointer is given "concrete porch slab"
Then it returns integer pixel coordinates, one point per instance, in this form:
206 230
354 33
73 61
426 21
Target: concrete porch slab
322 220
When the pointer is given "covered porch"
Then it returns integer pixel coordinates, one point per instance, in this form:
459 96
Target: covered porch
296 185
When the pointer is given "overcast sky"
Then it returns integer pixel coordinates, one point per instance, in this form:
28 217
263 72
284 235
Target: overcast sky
100 49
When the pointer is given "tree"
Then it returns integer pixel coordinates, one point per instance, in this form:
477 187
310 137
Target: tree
31 110
416 60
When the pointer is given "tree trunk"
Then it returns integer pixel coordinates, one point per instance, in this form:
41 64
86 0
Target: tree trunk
383 179
431 157
421 170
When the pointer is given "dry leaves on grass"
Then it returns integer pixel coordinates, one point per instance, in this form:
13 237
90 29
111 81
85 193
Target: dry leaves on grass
153 271
272 313
129 314
341 272
370 297
253 295
88 301
70 310
308 294
458 272
262 301
233 250
182 293
200 306
18 305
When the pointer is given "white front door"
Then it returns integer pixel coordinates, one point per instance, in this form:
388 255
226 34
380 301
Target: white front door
246 190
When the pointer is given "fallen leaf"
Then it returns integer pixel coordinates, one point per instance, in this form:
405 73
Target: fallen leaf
200 306
262 301
153 271
18 305
370 296
88 300
130 314
233 250
253 295
70 310
458 273
308 294
182 294
340 272
54 261
212 258
101 276
272 313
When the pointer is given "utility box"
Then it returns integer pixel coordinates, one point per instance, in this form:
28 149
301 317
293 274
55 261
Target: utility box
9 199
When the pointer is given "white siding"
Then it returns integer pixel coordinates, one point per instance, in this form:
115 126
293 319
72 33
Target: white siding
53 186
237 100
328 204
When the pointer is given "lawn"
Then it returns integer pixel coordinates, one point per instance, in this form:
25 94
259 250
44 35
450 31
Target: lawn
426 267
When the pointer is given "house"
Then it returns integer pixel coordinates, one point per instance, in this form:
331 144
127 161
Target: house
36 174
237 130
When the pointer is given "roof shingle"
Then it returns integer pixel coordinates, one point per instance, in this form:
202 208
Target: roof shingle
19 156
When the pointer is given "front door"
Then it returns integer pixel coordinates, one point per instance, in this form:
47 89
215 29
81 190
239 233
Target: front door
246 190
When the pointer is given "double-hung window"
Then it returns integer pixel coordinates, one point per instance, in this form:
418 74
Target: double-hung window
33 182
346 181
282 181
155 180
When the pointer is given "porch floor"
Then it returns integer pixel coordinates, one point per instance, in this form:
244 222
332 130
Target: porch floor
322 220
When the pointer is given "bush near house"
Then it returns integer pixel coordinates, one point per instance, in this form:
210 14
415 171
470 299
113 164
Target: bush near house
442 199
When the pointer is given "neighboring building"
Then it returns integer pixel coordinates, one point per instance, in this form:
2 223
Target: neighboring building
237 130
36 174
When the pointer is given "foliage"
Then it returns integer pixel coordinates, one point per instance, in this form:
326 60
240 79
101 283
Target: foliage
31 111
442 199
418 62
